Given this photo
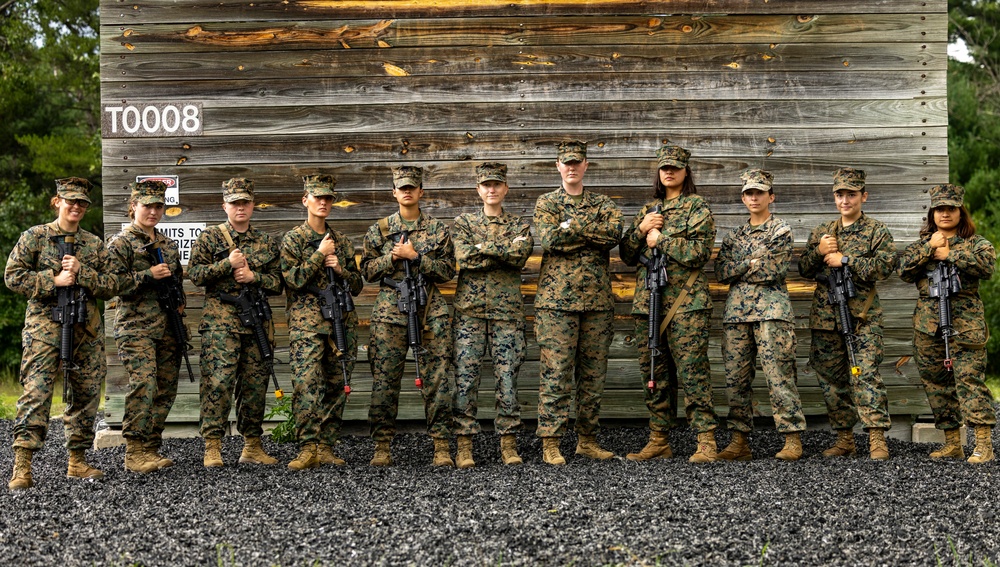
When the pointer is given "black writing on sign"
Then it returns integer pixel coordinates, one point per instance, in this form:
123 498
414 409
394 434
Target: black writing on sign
152 120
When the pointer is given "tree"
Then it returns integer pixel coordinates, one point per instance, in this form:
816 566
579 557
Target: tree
50 111
974 132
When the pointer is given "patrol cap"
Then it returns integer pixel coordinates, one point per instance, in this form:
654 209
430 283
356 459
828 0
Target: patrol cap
757 179
319 184
74 189
849 179
148 192
947 195
407 176
237 189
672 156
491 171
572 150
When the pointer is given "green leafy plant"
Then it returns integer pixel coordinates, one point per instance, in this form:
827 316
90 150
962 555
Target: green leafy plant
284 432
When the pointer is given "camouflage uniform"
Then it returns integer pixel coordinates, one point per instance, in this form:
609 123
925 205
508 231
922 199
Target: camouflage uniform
872 257
388 343
231 363
146 346
959 397
490 251
319 398
574 305
31 268
758 318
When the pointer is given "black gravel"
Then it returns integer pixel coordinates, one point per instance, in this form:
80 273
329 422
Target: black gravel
907 511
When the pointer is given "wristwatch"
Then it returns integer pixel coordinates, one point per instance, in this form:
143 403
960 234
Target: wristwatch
843 260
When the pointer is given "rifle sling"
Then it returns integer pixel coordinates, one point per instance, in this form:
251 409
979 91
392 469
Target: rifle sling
975 346
677 302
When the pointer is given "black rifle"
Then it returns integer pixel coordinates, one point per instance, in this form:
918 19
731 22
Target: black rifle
942 283
254 312
840 289
412 296
70 309
170 296
335 303
656 280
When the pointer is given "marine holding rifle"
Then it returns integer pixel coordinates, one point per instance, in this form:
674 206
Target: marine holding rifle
149 271
228 259
949 323
408 253
321 275
847 257
62 270
672 237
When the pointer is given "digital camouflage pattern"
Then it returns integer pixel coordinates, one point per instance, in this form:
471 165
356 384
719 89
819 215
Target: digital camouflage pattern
320 184
148 350
407 176
387 345
237 189
491 171
318 398
230 361
959 397
687 238
669 155
774 342
849 178
872 253
490 252
757 179
947 195
757 291
74 189
148 192
30 272
572 150
574 305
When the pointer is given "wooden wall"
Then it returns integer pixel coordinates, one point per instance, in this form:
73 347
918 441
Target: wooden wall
293 87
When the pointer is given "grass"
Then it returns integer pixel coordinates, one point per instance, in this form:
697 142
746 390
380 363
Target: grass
993 383
10 391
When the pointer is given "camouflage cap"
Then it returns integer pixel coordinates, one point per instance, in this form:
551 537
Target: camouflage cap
947 195
572 150
74 189
672 156
757 179
407 176
237 189
319 185
849 179
148 192
491 171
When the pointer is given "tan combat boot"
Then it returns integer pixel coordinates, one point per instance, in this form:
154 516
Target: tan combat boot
213 453
953 446
658 447
508 450
79 467
983 453
707 450
382 458
738 448
21 479
550 451
586 446
136 458
327 457
463 458
792 451
308 458
154 456
442 453
877 446
254 454
844 447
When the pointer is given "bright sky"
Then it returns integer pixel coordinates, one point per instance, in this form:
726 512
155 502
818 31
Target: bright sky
958 50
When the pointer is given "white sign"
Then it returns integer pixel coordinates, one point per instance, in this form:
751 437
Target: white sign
151 120
183 233
171 181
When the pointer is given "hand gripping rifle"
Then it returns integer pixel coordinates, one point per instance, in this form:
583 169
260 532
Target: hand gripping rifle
170 296
840 290
656 280
412 296
335 302
254 312
70 309
942 283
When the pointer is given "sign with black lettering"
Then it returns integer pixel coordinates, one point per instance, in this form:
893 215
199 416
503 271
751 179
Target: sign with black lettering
172 196
151 120
184 233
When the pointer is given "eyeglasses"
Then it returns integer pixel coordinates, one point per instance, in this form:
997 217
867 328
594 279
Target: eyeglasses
77 203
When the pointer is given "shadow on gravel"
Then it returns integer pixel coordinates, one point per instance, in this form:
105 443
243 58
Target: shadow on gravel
852 511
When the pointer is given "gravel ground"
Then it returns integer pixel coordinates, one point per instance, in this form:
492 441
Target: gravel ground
907 511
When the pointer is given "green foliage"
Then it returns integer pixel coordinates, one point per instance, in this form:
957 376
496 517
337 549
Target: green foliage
974 133
285 431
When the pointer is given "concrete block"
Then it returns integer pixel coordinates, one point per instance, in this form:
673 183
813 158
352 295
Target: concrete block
927 433
108 438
